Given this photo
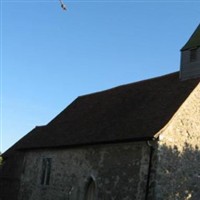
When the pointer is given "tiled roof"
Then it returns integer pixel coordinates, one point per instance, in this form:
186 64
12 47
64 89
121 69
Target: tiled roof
131 112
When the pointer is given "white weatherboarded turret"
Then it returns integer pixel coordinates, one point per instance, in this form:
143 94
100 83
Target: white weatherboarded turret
190 57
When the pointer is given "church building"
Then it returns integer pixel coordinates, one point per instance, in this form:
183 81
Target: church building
139 141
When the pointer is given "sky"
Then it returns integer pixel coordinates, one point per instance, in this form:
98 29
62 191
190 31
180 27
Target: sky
49 57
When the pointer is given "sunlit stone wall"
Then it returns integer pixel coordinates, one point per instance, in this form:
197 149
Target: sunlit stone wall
177 159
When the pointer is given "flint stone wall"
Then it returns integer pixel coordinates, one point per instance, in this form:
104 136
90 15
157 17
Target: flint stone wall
120 172
10 173
177 157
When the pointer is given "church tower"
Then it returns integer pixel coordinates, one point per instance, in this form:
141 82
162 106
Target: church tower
190 57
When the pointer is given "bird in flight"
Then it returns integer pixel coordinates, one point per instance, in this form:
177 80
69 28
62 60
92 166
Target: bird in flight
63 6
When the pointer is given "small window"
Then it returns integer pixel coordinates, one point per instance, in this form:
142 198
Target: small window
46 171
91 190
193 55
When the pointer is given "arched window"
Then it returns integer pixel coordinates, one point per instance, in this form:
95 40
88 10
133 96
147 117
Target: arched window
91 190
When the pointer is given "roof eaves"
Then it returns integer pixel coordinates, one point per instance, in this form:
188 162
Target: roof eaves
141 139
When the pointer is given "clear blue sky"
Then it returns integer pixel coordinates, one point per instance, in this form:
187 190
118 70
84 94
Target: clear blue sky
50 56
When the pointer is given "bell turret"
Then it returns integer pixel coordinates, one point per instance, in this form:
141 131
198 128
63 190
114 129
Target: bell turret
190 57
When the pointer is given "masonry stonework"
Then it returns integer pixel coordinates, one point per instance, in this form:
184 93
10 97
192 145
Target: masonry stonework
10 174
119 171
177 159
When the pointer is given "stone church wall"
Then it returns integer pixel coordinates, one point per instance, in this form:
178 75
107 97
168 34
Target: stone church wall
120 172
178 154
10 173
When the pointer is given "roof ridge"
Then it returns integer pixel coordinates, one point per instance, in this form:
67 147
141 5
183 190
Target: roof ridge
128 84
